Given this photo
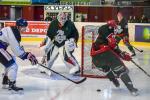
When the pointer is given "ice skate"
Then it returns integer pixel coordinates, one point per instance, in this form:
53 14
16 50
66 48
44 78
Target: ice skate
134 92
13 88
5 82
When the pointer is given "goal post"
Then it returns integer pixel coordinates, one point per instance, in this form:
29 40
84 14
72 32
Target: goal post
89 34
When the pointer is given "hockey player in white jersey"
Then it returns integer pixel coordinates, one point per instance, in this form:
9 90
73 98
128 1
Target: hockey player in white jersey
62 37
11 36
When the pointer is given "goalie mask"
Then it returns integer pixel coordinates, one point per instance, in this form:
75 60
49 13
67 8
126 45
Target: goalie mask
62 18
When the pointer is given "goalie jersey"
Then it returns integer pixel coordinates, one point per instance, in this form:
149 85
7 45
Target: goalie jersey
60 33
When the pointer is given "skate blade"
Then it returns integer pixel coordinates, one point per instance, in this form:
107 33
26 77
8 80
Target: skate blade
135 93
5 87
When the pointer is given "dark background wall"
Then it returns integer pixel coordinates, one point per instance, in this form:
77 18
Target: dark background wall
94 14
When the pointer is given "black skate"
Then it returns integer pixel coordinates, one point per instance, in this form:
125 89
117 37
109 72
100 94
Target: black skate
13 87
134 91
5 82
116 82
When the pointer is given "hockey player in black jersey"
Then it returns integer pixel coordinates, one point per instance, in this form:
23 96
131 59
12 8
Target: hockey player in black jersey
123 34
11 36
62 38
107 56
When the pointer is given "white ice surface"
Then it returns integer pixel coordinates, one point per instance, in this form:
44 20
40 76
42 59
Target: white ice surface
41 87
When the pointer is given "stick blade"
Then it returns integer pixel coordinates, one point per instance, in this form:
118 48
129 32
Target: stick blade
80 81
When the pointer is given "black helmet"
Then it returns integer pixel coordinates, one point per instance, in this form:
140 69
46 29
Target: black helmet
21 22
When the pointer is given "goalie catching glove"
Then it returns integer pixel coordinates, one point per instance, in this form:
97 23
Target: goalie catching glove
70 44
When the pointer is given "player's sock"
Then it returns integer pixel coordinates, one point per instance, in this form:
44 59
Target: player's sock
112 78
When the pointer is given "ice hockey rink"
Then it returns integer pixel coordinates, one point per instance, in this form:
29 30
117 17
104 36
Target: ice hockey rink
38 86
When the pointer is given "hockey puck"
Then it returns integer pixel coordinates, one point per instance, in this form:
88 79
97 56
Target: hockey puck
98 90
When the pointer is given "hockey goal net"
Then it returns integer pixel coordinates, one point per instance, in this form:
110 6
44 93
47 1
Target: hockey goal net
89 34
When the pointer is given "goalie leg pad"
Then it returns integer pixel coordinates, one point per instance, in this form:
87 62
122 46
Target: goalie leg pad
52 56
70 61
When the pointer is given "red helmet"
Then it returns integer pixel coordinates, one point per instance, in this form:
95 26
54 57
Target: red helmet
112 23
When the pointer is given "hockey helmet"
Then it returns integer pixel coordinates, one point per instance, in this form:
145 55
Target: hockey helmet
112 23
21 22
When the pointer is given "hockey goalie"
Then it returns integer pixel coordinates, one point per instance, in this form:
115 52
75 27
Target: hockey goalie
62 38
107 56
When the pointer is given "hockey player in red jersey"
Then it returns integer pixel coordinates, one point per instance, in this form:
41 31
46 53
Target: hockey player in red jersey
123 33
107 56
11 36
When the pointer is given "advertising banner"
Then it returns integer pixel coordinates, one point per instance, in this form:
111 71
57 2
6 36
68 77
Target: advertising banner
36 31
40 1
142 33
34 28
16 2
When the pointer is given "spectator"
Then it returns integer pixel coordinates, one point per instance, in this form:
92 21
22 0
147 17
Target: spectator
48 18
130 19
135 20
144 19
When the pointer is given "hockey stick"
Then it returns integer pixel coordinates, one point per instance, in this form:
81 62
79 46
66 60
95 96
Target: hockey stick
132 45
76 82
137 49
140 68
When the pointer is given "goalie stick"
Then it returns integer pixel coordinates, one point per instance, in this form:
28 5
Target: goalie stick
140 68
76 82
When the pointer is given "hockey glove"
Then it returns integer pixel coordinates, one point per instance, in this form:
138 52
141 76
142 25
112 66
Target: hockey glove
125 56
70 44
32 58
